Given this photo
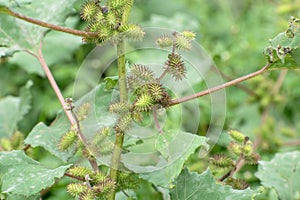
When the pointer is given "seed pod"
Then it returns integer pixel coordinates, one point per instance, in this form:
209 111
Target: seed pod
164 41
76 188
67 140
221 161
175 66
236 135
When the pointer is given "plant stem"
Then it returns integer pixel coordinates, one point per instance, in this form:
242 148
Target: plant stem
219 87
117 151
52 26
116 156
154 110
92 160
75 177
163 74
264 117
242 87
53 83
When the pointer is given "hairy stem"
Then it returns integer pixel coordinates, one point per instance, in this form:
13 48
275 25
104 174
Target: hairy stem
116 156
117 151
52 26
219 87
53 84
238 85
92 160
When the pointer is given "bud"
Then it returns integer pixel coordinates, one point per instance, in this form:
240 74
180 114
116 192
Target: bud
221 161
236 135
164 41
80 171
189 34
67 140
248 149
76 188
235 148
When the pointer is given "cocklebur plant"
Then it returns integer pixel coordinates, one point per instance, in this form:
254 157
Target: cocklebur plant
240 149
104 159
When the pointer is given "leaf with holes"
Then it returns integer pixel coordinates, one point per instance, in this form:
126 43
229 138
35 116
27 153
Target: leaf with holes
282 173
284 51
20 175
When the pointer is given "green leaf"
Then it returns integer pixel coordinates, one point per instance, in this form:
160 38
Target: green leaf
283 51
17 35
48 136
111 82
161 169
22 197
282 173
194 186
13 3
53 50
13 109
21 175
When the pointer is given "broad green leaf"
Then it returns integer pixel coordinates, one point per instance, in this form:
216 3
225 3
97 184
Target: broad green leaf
48 137
194 186
283 51
13 3
13 109
22 197
17 35
282 173
21 175
162 168
53 50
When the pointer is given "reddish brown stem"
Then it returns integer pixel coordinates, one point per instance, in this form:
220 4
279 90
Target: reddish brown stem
219 87
26 147
242 87
156 120
92 160
53 83
52 26
75 177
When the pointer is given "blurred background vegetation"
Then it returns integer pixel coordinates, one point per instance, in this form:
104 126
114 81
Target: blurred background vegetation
233 32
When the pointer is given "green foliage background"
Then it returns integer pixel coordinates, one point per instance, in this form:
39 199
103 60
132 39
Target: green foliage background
233 32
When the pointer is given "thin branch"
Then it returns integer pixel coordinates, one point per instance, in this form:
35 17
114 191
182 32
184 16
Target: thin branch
117 151
92 160
154 110
224 176
26 147
238 85
52 26
71 116
75 177
264 118
125 193
219 87
279 81
53 83
163 74
292 143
